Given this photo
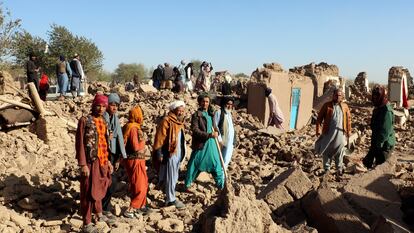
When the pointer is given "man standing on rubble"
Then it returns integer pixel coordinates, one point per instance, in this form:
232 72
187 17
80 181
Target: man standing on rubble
275 113
116 147
63 73
169 150
336 119
205 156
92 155
157 77
32 71
382 127
224 120
78 75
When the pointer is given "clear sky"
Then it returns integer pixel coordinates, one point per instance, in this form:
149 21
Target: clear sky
356 35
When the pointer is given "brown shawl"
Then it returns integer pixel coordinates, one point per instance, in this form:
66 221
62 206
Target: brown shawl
169 127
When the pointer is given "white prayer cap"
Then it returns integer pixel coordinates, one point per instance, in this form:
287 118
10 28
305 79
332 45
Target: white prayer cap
176 104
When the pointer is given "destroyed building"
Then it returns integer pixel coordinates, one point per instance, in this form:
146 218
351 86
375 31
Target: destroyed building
398 85
323 75
294 93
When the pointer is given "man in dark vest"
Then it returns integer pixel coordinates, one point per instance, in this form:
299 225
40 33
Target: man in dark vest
77 75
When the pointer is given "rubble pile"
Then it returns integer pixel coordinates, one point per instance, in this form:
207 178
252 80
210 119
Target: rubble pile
360 90
315 70
270 176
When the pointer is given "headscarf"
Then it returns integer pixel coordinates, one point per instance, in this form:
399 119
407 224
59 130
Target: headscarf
176 104
114 98
135 120
100 100
382 98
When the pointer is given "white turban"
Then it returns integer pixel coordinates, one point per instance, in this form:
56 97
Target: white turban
176 104
228 78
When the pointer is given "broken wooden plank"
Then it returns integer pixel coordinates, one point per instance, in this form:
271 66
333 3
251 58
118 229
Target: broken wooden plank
38 103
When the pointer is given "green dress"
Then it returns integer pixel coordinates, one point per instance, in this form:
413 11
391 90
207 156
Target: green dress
206 159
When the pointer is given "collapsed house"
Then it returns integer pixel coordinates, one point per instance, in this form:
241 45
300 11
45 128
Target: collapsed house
323 76
298 91
294 93
398 85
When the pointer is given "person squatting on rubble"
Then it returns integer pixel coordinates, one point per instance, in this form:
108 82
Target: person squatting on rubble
225 125
336 119
382 127
169 150
78 75
63 73
135 164
92 156
116 148
205 156
32 70
275 114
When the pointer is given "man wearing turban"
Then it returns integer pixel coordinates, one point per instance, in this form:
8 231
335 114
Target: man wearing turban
169 150
92 155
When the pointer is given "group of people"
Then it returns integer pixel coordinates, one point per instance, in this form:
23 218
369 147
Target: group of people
70 76
182 78
103 146
335 119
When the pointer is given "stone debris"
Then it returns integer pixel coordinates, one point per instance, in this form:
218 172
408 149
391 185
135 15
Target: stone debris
39 188
237 210
331 213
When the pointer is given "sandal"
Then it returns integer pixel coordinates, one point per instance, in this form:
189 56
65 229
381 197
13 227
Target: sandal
129 214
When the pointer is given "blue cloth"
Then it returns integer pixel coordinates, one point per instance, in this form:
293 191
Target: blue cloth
117 141
63 82
228 139
206 159
114 98
169 171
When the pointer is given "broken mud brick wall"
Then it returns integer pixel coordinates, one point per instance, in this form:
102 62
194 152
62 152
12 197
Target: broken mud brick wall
282 83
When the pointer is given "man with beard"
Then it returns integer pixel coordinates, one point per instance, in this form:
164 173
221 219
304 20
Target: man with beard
92 155
169 150
224 120
336 119
382 127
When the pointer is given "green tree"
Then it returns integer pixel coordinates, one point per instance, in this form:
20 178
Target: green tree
102 75
196 66
63 42
241 75
8 27
125 72
24 44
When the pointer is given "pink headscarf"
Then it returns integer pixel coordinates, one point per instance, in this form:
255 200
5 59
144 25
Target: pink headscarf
100 100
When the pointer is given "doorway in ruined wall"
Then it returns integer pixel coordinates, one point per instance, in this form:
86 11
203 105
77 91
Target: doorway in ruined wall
294 109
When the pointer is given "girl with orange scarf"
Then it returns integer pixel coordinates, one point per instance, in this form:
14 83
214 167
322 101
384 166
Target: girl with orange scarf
135 163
